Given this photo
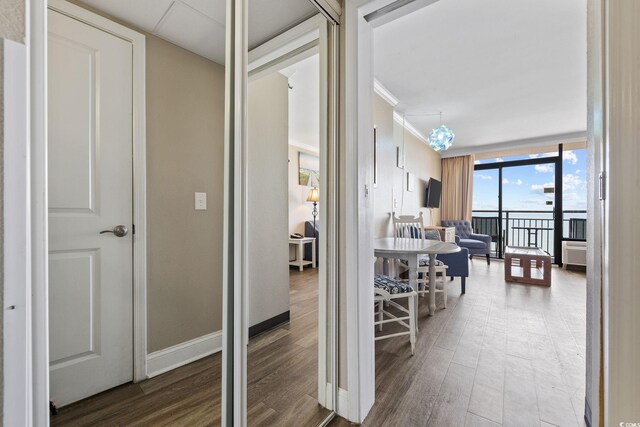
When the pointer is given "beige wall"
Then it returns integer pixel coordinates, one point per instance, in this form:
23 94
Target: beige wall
185 153
391 185
268 142
12 20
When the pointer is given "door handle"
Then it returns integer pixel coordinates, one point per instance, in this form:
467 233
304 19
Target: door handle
118 230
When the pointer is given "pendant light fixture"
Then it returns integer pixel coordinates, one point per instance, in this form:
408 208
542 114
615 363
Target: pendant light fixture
441 138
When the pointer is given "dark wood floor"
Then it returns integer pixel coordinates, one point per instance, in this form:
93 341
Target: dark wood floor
503 354
282 370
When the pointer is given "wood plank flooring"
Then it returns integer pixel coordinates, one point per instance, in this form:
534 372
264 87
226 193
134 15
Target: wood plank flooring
282 369
503 354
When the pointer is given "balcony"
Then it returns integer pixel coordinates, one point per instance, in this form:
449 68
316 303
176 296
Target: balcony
534 228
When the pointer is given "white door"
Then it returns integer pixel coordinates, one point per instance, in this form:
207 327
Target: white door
90 190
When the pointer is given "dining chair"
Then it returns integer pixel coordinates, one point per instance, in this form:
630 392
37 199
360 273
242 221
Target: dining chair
387 291
412 227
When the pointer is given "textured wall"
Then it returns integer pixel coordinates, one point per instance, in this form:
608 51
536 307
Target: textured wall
185 154
12 20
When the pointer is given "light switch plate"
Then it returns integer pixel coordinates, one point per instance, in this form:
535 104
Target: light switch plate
201 201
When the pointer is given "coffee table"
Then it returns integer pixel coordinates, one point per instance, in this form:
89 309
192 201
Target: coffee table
531 266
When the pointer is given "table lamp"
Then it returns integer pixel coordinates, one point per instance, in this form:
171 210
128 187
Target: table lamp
314 196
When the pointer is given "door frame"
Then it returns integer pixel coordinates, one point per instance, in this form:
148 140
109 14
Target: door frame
300 42
35 407
318 34
361 16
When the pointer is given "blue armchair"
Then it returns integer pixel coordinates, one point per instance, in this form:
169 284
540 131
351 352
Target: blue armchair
478 244
457 263
457 266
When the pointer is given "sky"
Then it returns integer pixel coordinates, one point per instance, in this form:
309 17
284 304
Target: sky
523 186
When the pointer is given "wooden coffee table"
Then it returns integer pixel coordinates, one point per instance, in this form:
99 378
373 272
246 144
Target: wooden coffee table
531 266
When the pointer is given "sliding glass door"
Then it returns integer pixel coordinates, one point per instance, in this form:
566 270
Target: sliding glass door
520 203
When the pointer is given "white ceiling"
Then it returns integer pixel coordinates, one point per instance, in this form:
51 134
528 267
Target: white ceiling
499 70
304 102
199 25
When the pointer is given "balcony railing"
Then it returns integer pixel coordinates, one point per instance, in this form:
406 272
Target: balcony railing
528 228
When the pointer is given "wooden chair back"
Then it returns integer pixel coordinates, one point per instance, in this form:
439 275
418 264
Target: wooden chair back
408 226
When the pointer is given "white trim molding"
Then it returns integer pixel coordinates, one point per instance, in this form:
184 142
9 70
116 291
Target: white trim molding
564 138
385 93
173 357
343 403
408 126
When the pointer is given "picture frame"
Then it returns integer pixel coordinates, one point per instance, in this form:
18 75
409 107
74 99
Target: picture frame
308 169
399 157
411 181
375 157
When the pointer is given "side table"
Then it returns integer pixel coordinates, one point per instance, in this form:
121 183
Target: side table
300 262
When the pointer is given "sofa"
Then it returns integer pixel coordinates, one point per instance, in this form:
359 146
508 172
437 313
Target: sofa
310 232
477 244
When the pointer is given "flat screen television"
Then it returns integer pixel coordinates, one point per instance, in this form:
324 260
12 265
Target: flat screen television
434 188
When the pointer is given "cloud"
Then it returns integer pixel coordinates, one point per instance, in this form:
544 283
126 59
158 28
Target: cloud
485 177
498 159
570 156
545 168
534 156
570 196
571 182
516 182
577 171
477 162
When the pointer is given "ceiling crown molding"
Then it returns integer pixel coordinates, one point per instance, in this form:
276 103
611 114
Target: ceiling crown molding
390 98
408 126
565 138
385 93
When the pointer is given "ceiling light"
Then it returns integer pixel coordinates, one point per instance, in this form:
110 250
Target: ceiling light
441 138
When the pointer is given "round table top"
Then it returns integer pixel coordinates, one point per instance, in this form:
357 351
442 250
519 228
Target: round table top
391 245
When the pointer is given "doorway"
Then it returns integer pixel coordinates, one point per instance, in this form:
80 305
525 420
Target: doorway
96 199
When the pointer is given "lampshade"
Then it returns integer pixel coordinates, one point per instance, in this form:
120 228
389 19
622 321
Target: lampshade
314 195
441 138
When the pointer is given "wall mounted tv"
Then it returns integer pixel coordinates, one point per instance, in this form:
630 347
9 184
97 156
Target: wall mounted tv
434 188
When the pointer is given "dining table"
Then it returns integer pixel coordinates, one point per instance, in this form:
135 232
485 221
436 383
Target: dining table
411 249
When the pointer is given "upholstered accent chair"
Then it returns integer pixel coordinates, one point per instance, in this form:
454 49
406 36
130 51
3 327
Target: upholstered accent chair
478 244
457 263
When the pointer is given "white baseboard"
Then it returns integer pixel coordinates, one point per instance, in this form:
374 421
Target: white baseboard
173 357
343 403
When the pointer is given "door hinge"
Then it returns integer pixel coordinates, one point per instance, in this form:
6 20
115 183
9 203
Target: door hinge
603 185
133 229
